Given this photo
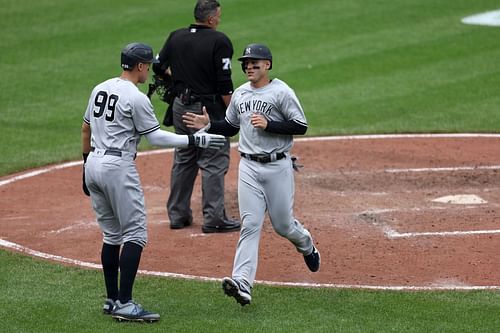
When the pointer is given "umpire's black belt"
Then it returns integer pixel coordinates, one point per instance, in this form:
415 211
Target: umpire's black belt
191 98
264 158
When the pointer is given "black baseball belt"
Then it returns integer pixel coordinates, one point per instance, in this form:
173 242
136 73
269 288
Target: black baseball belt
112 152
264 158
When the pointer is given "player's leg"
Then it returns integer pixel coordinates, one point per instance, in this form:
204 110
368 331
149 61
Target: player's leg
127 200
110 260
111 243
129 264
252 207
280 189
110 227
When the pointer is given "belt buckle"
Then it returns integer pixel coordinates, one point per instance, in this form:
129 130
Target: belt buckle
99 152
262 159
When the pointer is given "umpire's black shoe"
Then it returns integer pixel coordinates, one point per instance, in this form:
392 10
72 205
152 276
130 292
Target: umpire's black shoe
182 224
313 260
227 226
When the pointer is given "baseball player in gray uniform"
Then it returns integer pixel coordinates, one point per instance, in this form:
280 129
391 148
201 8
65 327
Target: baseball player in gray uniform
117 115
267 114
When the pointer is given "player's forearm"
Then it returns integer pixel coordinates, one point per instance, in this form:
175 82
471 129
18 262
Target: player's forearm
288 127
166 139
223 127
85 138
226 99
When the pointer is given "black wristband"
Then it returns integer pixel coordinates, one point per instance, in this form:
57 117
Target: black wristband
85 155
190 140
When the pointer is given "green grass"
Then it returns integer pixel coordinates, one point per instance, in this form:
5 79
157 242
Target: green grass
357 66
38 296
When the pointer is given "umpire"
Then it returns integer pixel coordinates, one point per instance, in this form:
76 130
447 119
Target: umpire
199 59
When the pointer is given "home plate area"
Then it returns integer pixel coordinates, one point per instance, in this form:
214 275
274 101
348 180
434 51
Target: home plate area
386 211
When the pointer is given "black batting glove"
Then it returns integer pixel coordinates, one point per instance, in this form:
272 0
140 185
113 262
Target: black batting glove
84 186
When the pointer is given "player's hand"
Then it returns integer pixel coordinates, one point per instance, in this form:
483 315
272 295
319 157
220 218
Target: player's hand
197 121
206 140
258 120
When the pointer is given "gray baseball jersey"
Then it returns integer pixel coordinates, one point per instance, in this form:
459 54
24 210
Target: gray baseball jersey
265 186
118 114
276 101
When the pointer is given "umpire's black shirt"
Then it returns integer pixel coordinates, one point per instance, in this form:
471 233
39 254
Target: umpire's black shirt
199 58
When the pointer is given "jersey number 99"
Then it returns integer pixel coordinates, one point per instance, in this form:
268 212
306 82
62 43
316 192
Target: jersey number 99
103 102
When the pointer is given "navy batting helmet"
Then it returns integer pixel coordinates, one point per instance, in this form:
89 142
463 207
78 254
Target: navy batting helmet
135 53
257 51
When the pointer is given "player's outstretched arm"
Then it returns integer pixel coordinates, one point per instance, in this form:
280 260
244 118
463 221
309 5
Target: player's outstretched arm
199 139
202 122
197 121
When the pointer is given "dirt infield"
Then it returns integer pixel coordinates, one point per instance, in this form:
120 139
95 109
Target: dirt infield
368 201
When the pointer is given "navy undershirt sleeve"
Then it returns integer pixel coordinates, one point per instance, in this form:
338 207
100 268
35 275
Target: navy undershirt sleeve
289 127
223 127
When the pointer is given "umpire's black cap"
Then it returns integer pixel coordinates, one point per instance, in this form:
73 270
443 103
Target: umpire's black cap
257 51
135 53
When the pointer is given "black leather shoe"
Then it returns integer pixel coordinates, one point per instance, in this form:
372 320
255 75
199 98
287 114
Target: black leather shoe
181 225
313 260
227 226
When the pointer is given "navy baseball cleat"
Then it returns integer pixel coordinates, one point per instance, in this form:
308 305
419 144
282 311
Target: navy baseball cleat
132 311
313 260
232 288
108 306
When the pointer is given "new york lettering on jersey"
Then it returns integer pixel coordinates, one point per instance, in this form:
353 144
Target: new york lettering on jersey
255 105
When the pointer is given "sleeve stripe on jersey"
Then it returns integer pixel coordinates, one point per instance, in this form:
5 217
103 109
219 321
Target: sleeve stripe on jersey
300 122
230 123
150 130
86 120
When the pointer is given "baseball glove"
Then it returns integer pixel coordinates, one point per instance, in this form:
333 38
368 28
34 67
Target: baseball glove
296 166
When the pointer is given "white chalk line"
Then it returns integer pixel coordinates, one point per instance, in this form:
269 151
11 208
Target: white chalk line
14 246
78 225
394 234
12 218
482 167
34 253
